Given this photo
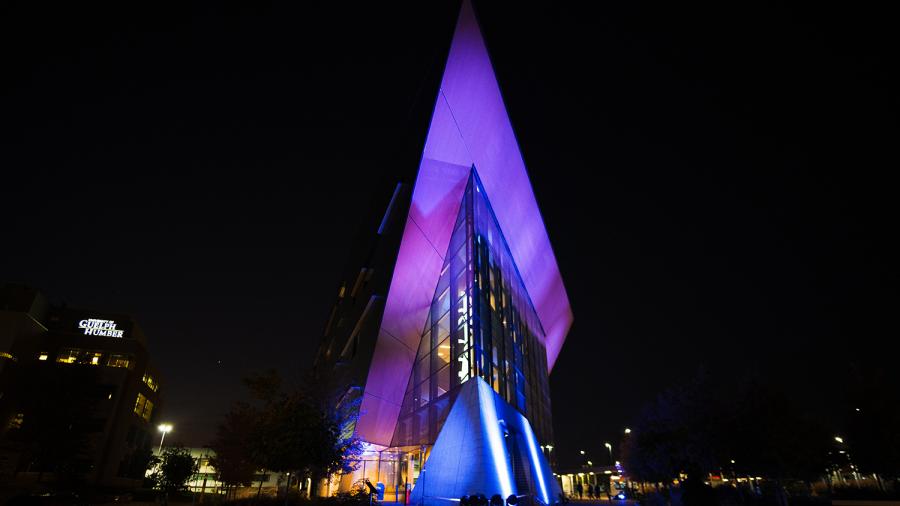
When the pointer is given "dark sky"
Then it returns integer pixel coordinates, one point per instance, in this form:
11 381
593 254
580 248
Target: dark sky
716 181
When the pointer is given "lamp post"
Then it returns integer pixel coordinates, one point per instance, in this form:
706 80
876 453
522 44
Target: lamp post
609 447
165 428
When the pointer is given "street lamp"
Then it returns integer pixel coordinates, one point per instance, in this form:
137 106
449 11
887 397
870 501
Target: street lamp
165 428
627 430
839 439
609 447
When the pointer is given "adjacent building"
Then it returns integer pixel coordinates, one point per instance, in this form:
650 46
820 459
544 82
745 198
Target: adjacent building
205 479
453 311
78 394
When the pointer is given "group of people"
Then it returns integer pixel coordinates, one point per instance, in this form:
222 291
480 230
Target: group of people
593 491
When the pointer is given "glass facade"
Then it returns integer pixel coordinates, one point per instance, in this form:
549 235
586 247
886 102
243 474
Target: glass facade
482 322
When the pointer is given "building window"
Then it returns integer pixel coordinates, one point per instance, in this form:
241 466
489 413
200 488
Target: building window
491 330
143 407
115 360
16 421
76 356
42 355
4 354
151 382
68 356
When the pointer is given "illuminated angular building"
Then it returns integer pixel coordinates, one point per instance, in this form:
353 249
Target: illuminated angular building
77 392
453 312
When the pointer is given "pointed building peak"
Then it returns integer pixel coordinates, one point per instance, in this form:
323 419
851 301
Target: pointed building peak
469 128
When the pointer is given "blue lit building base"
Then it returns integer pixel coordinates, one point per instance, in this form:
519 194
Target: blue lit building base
487 447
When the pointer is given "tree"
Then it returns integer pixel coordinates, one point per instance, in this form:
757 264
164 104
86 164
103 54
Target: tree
872 417
235 459
286 430
297 435
675 433
769 435
702 426
175 468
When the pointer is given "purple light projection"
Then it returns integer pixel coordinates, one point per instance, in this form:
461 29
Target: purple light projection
469 126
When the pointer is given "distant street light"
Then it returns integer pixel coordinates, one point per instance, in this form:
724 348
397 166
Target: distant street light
609 447
627 430
839 439
582 452
165 428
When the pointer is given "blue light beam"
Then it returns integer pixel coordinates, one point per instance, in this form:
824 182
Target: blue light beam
495 439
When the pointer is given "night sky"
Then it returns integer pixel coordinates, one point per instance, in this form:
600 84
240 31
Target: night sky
717 182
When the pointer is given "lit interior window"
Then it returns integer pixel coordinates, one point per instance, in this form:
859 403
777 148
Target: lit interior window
8 355
115 360
76 356
148 410
68 356
42 356
143 407
151 382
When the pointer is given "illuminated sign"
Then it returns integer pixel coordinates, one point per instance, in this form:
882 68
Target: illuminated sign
94 327
462 321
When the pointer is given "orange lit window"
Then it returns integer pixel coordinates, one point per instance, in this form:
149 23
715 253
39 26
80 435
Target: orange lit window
115 360
143 407
151 382
16 421
76 356
148 410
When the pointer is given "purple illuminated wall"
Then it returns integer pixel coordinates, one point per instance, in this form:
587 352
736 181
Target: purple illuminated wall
469 126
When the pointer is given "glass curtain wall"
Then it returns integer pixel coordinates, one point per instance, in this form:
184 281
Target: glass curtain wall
481 322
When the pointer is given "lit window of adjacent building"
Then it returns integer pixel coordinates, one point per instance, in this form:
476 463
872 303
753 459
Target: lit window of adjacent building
16 421
7 355
143 407
76 356
42 355
151 382
67 356
115 360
